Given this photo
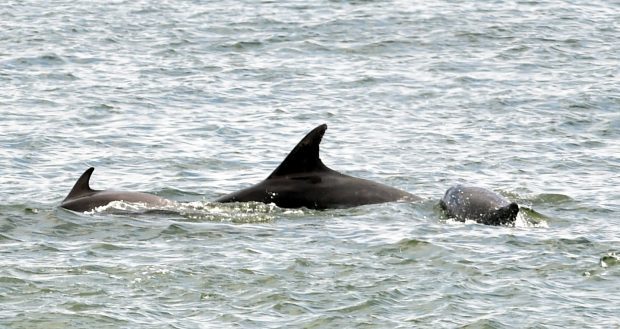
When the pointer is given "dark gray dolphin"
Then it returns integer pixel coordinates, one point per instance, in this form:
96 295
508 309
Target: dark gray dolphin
302 180
83 198
479 204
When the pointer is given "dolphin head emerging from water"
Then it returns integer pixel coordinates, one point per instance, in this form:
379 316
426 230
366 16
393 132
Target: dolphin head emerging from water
479 204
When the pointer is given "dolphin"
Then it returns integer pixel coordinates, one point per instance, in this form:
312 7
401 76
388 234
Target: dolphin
83 198
479 204
302 180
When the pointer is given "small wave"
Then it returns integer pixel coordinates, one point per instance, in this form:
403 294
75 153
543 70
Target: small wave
175 229
242 45
198 211
551 198
609 260
243 212
9 280
58 76
122 207
50 59
409 251
5 237
528 217
569 243
108 246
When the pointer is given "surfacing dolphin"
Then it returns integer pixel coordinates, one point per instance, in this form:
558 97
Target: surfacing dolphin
83 198
479 204
302 180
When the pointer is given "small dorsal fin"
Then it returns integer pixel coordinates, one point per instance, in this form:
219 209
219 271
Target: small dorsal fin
304 157
82 186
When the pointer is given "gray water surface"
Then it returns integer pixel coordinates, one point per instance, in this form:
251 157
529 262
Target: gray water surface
191 100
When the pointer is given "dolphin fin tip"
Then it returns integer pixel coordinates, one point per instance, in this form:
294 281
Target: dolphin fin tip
305 156
82 185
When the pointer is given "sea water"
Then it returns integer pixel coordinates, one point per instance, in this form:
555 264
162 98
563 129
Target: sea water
191 100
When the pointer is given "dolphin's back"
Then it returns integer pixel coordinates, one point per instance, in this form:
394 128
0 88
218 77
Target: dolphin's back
323 190
83 198
302 180
103 198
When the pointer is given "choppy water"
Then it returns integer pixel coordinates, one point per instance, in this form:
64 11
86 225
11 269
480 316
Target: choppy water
193 99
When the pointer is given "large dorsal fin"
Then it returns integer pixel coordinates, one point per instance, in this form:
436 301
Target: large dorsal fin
304 157
82 186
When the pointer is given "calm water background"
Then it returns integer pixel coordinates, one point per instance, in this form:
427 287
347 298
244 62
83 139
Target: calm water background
193 99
